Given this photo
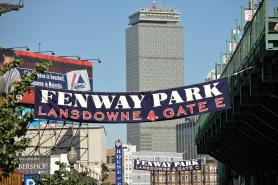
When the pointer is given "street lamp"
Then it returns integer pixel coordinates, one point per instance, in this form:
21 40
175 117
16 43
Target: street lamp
74 56
50 51
72 156
25 47
92 59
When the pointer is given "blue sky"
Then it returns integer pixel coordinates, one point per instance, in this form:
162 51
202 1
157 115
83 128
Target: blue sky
96 29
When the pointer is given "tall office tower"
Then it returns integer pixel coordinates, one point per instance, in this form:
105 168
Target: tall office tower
154 60
186 139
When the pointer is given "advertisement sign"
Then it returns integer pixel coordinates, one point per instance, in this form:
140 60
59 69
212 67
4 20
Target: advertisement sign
172 166
78 80
226 58
14 178
119 162
132 107
29 179
248 15
65 73
232 46
34 164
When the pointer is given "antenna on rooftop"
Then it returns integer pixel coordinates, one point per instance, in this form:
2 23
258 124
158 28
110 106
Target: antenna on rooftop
154 4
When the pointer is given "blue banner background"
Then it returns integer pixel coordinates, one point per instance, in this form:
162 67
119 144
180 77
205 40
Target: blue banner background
148 112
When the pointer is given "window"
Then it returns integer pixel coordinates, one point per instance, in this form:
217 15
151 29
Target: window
113 159
207 168
157 179
207 178
108 159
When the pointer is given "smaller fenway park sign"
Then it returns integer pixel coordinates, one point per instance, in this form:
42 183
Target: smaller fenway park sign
172 166
132 107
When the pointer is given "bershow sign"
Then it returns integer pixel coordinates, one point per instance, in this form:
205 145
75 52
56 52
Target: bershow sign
132 107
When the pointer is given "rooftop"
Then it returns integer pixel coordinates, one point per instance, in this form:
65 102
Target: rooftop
154 15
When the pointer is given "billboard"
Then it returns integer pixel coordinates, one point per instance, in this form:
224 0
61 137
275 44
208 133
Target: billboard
119 162
34 164
65 73
131 107
171 166
248 15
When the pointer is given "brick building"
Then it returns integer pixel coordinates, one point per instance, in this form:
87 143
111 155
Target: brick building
206 176
110 158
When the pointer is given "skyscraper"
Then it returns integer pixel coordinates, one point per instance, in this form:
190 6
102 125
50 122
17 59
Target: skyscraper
154 60
185 139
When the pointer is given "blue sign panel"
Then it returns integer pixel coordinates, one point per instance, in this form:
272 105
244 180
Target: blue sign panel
29 179
118 162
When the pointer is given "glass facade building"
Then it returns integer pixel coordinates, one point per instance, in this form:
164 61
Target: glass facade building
186 139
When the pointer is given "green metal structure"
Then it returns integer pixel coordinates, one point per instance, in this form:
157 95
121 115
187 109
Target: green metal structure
245 137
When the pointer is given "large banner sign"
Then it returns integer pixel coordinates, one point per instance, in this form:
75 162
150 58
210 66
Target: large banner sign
172 166
132 107
65 73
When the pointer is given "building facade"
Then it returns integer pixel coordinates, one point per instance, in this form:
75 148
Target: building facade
128 162
110 162
206 176
154 60
140 177
185 139
55 139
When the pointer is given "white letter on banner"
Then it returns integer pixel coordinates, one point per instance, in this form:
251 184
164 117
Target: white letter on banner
193 91
82 101
137 161
175 97
105 100
157 98
62 97
177 164
195 162
122 102
209 91
137 101
45 95
156 163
